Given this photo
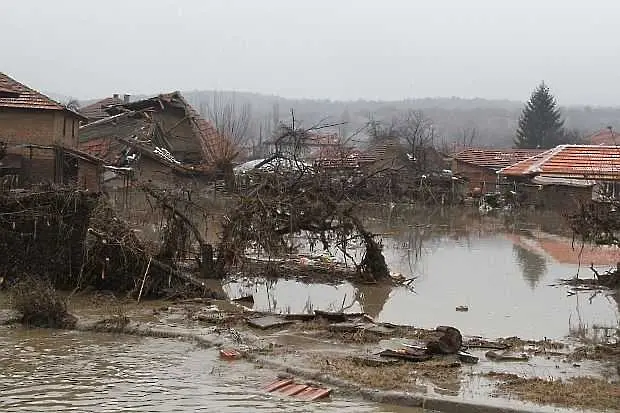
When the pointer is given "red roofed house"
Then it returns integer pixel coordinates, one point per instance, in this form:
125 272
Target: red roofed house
605 136
41 136
578 172
480 166
97 111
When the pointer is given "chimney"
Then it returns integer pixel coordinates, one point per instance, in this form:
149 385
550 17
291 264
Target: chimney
126 98
115 96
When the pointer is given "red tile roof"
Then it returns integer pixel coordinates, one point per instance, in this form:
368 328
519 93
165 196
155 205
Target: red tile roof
96 111
386 149
572 161
495 158
17 95
604 137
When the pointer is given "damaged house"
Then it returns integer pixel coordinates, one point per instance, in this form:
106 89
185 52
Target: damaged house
41 141
97 111
161 140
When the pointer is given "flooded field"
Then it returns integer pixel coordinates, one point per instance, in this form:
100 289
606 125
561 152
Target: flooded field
51 371
500 267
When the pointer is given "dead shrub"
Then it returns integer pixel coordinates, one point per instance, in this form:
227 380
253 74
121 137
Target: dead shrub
40 304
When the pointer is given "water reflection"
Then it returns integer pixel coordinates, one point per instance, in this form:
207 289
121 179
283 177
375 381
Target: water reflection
532 265
499 266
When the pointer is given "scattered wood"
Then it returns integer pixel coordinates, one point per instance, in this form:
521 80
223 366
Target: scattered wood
505 356
486 344
406 354
269 321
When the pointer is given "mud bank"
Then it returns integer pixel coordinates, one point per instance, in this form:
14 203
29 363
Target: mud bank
306 348
210 337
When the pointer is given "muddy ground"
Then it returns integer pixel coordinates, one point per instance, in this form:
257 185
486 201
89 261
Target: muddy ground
565 374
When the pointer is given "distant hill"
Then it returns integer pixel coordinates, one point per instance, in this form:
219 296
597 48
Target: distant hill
494 120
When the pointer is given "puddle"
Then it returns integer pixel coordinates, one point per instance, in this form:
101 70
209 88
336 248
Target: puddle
50 371
501 272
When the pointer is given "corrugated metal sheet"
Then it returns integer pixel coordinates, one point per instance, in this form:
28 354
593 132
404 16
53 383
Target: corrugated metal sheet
572 161
495 158
19 96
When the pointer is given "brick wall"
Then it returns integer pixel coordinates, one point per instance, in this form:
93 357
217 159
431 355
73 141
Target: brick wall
564 198
89 176
38 127
479 177
20 126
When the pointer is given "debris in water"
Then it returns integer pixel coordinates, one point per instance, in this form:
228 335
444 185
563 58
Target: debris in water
288 387
506 356
406 354
249 299
481 343
269 321
467 357
373 361
230 354
450 341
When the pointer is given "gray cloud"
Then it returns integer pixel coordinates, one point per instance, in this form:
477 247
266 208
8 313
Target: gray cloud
337 49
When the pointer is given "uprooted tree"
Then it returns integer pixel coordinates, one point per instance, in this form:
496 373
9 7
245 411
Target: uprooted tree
293 202
599 223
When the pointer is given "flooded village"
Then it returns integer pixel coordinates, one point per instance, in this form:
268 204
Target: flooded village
136 231
326 206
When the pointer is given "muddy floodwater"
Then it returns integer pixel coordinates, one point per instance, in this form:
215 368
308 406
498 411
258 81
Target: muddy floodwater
54 371
501 266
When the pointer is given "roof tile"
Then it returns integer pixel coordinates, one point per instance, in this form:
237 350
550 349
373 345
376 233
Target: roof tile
495 158
96 111
18 95
571 161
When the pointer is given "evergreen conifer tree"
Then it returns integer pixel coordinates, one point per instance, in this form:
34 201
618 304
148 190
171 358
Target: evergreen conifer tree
540 124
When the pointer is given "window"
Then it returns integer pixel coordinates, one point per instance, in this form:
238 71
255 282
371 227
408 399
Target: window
64 126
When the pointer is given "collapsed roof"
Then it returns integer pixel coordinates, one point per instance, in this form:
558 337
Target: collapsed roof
164 125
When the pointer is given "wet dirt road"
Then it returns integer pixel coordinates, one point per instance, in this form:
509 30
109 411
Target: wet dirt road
51 371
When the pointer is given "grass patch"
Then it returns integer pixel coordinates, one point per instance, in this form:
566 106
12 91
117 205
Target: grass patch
581 392
39 303
401 375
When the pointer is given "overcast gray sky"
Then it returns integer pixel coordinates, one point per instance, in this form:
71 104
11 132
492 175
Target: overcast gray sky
336 49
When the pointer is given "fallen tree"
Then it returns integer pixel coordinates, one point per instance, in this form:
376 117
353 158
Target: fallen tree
288 204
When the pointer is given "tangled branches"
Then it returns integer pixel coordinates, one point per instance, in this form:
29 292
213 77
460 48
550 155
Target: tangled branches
42 233
277 208
597 223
